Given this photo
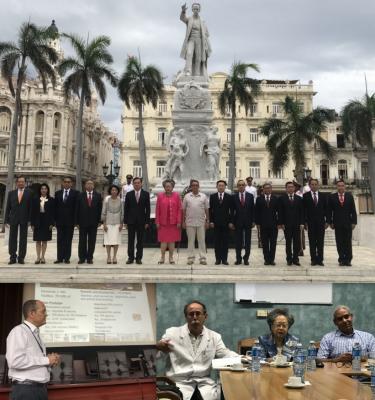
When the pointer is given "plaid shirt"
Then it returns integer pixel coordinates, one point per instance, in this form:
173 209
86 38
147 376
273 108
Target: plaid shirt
336 343
269 346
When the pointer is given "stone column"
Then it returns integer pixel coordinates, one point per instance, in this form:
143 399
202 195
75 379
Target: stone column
47 139
30 140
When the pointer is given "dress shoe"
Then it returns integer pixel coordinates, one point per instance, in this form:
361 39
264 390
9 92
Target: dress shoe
238 263
12 262
217 262
342 264
348 264
90 262
321 264
203 262
267 263
67 262
139 262
129 261
225 263
190 262
246 262
289 263
313 263
57 262
21 261
81 261
297 263
272 263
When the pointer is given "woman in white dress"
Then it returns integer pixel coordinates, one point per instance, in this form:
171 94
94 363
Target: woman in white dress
112 218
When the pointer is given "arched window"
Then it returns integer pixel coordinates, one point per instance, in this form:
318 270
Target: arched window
324 171
5 120
39 122
57 124
364 169
342 167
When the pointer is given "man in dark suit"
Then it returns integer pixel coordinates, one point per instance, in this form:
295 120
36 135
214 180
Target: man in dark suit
243 221
266 219
342 217
17 217
136 219
220 218
291 220
88 214
315 211
65 209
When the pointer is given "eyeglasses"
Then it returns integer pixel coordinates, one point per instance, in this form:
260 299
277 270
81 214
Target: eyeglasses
345 364
195 313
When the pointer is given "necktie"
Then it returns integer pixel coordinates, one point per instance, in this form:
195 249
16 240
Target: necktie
242 200
291 198
65 196
20 194
268 201
341 198
220 198
89 199
315 199
137 196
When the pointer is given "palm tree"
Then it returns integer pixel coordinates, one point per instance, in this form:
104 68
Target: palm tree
89 67
237 88
32 48
287 138
139 86
357 122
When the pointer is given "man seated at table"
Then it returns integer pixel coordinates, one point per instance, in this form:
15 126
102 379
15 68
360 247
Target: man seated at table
336 346
189 351
279 340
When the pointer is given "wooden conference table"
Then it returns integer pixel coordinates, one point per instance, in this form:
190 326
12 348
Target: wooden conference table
328 383
116 389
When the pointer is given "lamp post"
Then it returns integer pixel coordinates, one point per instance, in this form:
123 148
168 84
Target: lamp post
113 172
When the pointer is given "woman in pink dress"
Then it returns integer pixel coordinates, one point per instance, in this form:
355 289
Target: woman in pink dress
168 216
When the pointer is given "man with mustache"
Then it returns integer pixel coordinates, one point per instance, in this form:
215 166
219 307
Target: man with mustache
189 351
337 346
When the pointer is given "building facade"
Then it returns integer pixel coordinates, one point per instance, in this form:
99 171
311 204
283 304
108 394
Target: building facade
252 158
46 137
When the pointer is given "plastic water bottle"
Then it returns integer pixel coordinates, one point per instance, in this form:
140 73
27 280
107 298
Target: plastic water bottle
299 362
311 356
356 357
255 355
373 378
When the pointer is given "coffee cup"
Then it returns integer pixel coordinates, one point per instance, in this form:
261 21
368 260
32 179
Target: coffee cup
294 381
280 359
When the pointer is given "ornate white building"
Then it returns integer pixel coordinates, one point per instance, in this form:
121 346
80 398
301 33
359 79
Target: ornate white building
252 158
46 138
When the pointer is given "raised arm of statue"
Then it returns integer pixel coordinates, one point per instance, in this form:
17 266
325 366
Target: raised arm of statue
183 16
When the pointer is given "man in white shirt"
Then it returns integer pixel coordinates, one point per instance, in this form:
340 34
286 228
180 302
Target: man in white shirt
250 188
128 187
189 350
195 219
28 362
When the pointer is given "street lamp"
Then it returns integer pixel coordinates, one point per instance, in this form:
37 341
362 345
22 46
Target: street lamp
113 172
307 173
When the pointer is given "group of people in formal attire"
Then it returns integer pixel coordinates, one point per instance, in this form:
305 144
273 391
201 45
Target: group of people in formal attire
188 350
196 212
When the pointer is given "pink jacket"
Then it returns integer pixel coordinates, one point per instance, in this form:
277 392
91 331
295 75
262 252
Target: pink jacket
174 204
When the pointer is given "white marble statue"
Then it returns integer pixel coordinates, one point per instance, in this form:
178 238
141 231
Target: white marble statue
178 148
196 48
212 150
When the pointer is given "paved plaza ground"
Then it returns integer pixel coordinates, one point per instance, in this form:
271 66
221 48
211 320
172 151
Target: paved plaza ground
363 269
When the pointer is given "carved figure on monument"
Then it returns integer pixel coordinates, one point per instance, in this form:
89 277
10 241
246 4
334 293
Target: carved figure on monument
178 148
192 97
212 150
196 47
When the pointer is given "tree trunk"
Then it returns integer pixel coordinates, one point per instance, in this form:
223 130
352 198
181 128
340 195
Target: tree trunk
14 137
79 142
142 150
371 174
299 173
232 149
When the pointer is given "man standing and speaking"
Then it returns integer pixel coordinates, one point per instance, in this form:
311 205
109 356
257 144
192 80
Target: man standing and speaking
28 362
189 350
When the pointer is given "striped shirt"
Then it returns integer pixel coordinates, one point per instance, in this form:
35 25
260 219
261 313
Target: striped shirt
336 343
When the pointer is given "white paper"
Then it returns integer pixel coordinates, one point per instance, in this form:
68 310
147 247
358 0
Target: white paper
219 363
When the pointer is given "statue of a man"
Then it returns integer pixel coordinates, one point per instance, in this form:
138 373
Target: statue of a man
212 150
178 148
196 48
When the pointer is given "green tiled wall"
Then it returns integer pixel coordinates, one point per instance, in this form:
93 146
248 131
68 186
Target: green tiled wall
237 321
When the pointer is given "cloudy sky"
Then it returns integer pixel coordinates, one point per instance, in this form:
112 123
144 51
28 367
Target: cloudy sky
330 42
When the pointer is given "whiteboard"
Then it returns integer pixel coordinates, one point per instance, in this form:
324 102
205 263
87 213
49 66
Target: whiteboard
284 293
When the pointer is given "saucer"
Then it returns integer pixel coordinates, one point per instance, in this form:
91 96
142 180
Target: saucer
299 386
238 369
284 365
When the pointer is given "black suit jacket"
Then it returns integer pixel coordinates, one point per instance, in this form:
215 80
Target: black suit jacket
267 217
18 213
49 211
137 213
315 213
220 214
88 216
65 212
291 213
339 215
243 216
